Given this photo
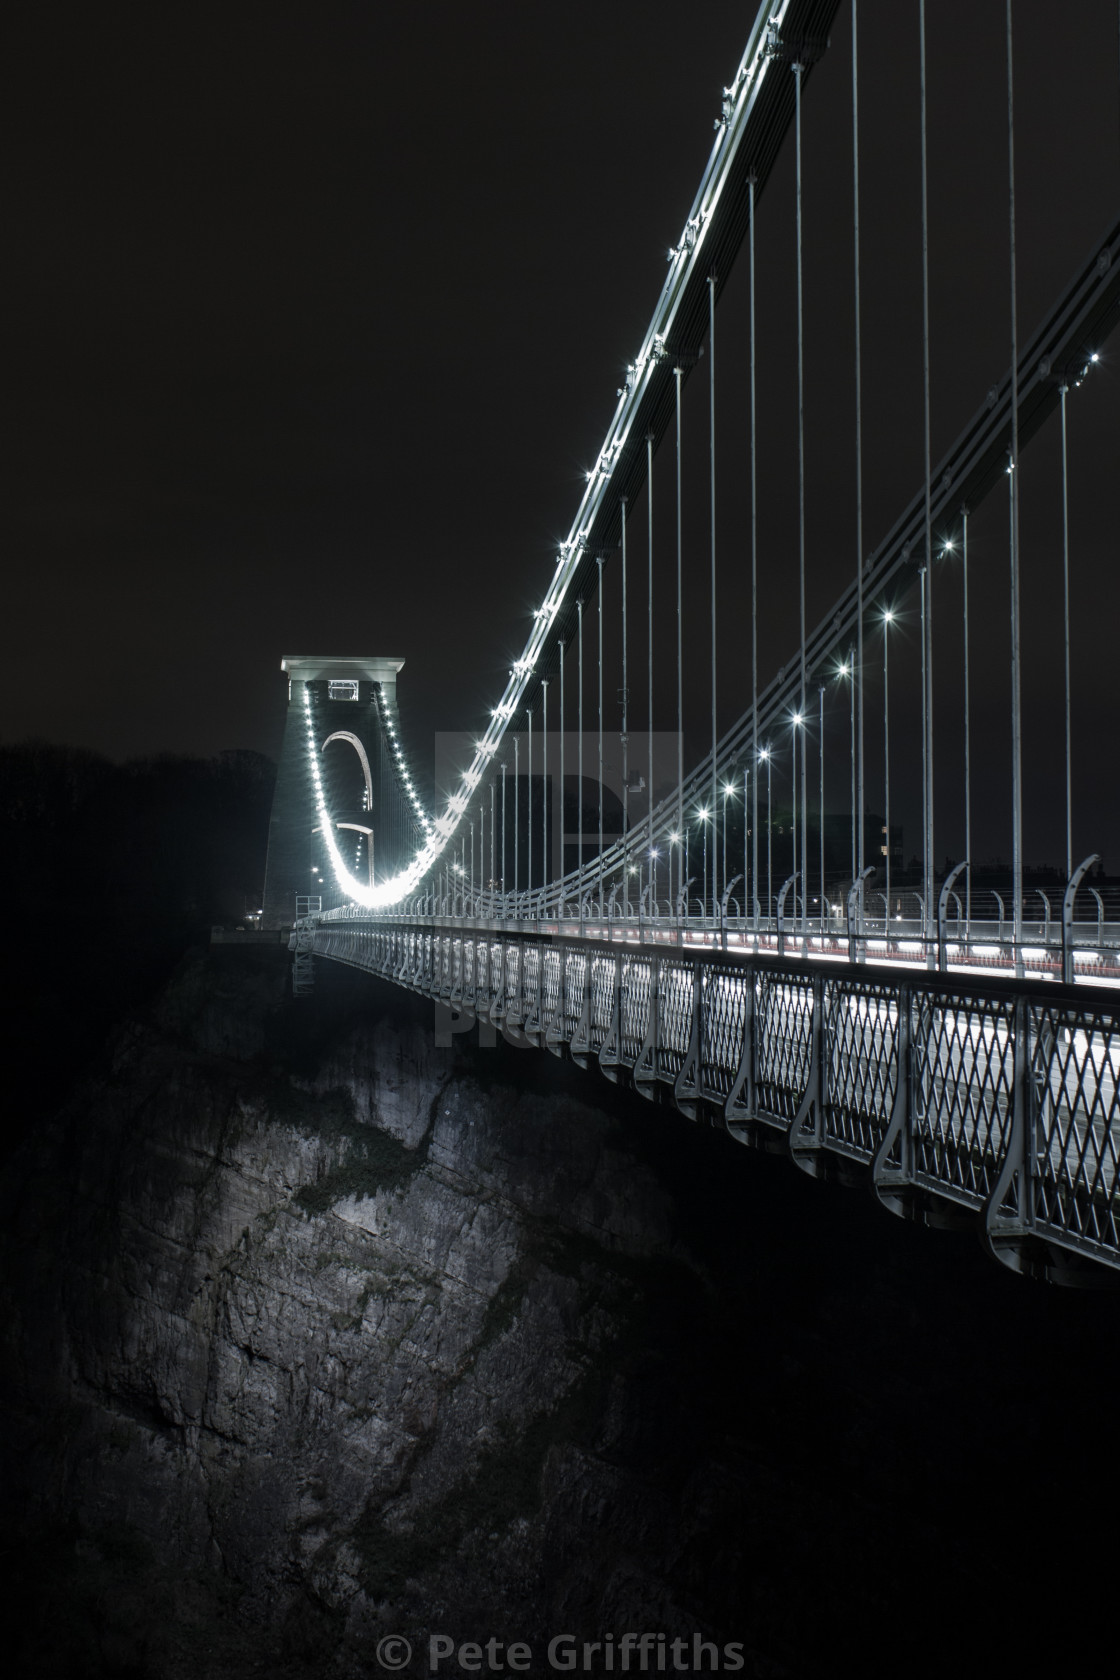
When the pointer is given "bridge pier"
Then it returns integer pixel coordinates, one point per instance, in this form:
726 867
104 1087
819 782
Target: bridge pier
346 696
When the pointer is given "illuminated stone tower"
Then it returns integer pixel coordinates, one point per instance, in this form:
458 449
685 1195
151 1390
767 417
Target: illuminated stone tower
351 700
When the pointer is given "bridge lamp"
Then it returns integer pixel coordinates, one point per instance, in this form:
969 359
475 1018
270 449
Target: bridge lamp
797 720
654 853
674 839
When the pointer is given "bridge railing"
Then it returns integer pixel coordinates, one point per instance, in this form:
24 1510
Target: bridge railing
963 1097
1086 946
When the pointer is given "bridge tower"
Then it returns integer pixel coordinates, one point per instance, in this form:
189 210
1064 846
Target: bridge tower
351 702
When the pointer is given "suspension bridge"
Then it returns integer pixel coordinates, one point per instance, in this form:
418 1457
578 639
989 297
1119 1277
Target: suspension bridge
712 902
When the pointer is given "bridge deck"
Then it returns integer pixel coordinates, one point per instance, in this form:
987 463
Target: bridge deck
963 1096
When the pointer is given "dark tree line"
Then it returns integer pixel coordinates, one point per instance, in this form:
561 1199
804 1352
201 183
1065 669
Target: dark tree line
110 872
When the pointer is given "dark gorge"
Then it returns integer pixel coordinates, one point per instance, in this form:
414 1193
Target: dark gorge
320 1334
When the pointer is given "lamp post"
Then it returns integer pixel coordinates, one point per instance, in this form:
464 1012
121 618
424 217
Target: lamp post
544 786
579 766
949 547
820 764
925 581
796 724
750 885
516 819
764 754
888 620
600 563
848 670
529 806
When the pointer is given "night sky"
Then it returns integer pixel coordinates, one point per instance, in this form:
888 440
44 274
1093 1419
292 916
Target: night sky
315 317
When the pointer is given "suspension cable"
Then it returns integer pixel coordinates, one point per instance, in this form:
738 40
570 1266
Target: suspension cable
1065 595
516 815
887 771
852 729
544 786
649 522
579 755
563 810
1016 697
861 852
820 761
754 573
680 645
797 72
923 579
967 733
712 443
625 742
927 616
600 565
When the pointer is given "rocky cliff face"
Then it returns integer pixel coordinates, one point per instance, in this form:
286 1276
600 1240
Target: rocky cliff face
322 1334
331 1327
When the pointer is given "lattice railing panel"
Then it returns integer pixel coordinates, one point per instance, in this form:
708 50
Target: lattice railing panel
784 1043
575 982
1075 1067
602 999
963 1057
861 1062
637 985
725 1012
513 953
552 982
530 977
674 1016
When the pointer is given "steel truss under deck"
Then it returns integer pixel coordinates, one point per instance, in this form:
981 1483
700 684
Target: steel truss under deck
959 1100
